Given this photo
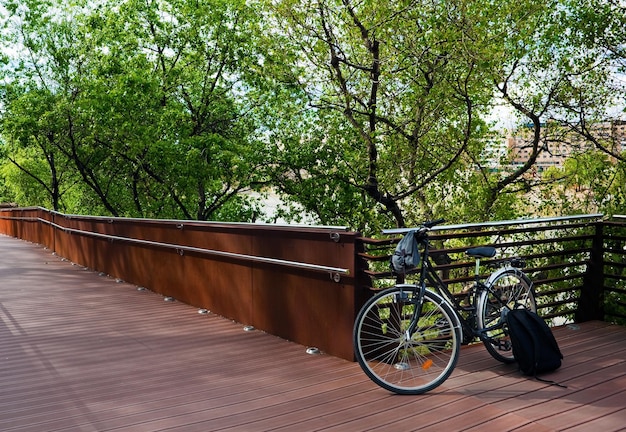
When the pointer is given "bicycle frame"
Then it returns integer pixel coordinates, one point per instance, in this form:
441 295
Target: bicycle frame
429 276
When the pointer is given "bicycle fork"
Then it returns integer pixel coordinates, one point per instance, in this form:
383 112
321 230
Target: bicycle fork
418 301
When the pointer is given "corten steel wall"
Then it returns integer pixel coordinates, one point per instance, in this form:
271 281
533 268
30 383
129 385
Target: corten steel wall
25 224
303 305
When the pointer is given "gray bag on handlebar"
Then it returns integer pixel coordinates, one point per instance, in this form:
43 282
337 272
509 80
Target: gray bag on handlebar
407 255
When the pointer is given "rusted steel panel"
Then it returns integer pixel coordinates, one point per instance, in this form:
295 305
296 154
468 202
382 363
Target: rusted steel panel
303 305
310 309
24 223
306 306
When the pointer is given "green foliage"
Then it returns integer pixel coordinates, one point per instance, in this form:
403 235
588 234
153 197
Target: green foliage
367 114
588 182
155 108
396 97
403 92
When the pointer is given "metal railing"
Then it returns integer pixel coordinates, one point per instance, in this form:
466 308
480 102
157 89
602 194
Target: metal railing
496 224
334 272
565 258
276 278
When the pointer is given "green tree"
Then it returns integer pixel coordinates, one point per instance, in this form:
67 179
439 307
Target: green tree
366 114
158 104
588 182
38 174
400 94
562 79
198 59
397 90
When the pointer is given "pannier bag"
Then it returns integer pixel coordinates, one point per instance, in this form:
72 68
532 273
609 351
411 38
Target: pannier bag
406 256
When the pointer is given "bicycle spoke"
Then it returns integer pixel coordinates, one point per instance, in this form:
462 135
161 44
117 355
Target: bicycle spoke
401 362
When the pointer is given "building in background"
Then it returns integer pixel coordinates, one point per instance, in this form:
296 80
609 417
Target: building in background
558 143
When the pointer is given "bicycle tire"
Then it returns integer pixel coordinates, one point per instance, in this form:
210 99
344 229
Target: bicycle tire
508 288
404 365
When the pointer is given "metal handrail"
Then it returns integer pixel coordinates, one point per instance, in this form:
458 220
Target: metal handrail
182 222
497 223
178 222
335 272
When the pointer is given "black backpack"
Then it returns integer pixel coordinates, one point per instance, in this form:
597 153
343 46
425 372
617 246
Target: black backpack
534 347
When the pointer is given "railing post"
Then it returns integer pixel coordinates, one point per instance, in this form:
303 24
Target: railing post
591 301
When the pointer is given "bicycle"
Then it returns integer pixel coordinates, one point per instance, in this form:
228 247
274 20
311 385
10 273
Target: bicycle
407 338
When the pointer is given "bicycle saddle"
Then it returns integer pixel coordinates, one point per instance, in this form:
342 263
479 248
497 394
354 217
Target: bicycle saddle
481 252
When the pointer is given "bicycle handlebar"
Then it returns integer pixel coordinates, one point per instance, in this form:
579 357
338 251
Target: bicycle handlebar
424 227
432 223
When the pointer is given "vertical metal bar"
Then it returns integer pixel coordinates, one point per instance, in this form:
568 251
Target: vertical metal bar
591 301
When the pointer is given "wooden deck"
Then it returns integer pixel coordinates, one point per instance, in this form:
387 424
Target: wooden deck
81 351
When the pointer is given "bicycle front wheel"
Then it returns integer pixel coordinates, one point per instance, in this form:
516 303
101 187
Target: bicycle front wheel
508 288
396 360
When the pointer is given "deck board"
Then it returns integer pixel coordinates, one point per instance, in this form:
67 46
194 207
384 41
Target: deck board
80 351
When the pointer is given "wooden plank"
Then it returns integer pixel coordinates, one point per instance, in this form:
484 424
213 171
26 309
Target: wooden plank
80 351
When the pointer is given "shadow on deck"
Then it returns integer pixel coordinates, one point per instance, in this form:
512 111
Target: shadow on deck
80 351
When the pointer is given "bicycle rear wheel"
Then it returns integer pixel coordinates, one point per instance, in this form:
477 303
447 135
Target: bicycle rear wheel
508 288
402 363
